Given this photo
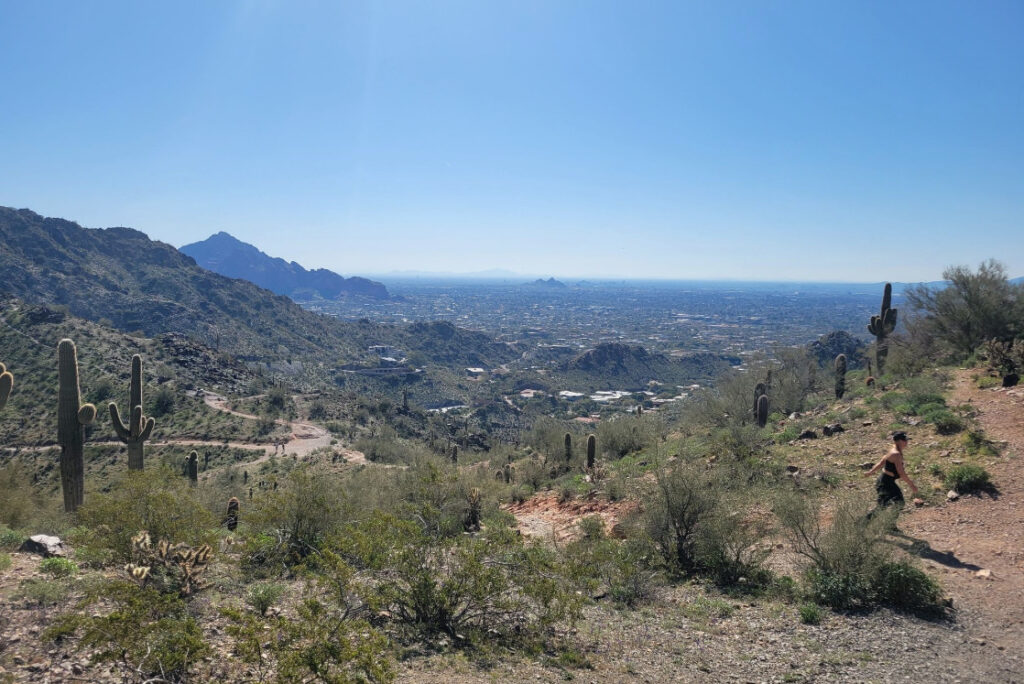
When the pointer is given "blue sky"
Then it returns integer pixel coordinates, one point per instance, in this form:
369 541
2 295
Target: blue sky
855 141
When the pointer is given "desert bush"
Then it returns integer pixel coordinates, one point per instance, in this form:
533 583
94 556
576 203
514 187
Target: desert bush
326 640
976 444
468 587
58 567
904 587
946 422
810 614
263 595
21 503
625 434
5 561
163 402
968 479
146 633
293 521
626 571
42 592
728 548
848 563
10 539
153 500
682 501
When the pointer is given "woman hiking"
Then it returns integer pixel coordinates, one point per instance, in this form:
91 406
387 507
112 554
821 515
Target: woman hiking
892 468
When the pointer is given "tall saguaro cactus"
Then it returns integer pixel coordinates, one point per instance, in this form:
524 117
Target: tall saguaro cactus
72 417
759 390
139 427
192 467
840 376
881 326
6 385
568 447
591 450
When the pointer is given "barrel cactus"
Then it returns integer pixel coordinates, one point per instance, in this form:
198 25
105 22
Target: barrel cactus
6 385
881 326
139 427
72 417
840 376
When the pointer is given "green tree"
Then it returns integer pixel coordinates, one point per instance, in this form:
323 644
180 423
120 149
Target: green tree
972 308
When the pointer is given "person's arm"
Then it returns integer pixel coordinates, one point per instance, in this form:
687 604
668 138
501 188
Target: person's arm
877 466
903 475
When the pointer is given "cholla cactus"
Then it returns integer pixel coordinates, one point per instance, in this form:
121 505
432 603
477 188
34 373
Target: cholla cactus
6 385
840 376
173 568
72 417
472 520
591 451
139 427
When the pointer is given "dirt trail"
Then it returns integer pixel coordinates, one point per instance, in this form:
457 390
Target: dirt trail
982 533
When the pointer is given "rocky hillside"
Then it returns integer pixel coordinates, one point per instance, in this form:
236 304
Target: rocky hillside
119 277
620 366
229 256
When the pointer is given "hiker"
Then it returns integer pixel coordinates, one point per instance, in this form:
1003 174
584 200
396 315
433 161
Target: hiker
892 469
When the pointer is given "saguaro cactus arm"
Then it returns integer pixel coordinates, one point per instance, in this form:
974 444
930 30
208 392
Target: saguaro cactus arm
6 385
139 427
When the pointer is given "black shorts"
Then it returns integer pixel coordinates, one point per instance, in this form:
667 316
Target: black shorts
889 492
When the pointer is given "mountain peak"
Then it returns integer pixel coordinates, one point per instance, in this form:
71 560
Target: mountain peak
227 255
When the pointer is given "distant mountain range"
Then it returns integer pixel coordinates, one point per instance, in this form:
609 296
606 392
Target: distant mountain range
124 280
229 256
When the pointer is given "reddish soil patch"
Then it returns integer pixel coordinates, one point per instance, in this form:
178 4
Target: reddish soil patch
543 515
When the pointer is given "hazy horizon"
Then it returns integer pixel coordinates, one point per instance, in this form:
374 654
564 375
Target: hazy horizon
803 142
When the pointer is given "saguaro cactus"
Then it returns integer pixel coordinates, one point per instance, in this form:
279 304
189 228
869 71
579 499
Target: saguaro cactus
192 467
6 385
72 417
840 376
759 390
455 453
881 326
762 410
591 450
232 520
139 427
568 447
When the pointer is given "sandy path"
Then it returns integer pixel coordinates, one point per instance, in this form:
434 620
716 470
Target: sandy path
958 539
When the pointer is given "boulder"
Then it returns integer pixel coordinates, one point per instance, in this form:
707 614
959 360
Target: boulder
832 429
951 495
45 545
808 434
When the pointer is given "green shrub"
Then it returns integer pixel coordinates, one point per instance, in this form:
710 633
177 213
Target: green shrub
977 444
945 421
5 561
10 540
58 567
146 632
152 500
625 571
467 587
263 595
904 587
968 479
42 592
810 614
683 500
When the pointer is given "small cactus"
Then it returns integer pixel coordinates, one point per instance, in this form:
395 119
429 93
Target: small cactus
232 520
840 376
591 451
72 417
568 447
455 453
192 467
881 326
139 427
6 385
762 410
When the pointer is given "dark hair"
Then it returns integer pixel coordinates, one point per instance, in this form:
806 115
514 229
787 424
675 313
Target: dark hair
900 436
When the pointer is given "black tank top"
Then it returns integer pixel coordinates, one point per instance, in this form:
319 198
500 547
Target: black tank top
890 469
